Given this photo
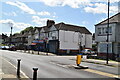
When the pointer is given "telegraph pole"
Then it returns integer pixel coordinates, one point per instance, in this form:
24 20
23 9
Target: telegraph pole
107 57
11 25
11 34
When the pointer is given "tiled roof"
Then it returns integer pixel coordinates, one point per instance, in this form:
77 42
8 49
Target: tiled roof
69 27
114 19
39 28
46 28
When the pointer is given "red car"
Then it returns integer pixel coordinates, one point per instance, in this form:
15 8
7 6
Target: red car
12 48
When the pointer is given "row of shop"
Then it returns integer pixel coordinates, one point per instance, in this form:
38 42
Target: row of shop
51 46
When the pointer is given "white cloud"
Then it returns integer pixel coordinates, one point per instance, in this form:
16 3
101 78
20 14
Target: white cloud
84 22
91 6
22 6
10 14
14 13
101 8
27 9
71 3
18 25
44 13
39 21
111 1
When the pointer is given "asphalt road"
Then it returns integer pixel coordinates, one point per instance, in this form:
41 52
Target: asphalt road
54 66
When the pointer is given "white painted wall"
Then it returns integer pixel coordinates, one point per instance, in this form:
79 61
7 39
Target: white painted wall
43 35
30 38
68 40
88 41
36 34
117 32
1 41
53 34
83 40
71 39
102 38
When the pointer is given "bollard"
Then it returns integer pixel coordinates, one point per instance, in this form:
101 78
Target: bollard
79 59
18 68
32 52
38 52
35 73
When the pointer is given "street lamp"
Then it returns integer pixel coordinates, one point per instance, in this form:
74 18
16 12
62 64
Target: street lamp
107 57
11 25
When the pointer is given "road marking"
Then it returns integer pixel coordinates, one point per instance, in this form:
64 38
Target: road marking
102 73
90 70
25 76
1 73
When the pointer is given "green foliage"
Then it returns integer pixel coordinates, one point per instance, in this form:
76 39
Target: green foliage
27 29
2 45
94 47
16 33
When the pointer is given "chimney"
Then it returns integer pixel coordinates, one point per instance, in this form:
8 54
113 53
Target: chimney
50 23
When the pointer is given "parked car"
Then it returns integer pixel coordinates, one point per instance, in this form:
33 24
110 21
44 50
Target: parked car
12 48
88 52
5 47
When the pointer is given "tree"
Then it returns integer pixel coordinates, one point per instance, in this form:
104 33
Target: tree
15 34
27 29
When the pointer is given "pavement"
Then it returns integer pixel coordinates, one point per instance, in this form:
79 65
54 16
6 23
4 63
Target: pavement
95 61
102 62
36 52
8 71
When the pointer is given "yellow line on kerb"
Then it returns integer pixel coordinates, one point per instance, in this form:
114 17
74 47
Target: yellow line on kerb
102 73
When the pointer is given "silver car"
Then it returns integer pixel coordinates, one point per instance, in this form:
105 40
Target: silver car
87 52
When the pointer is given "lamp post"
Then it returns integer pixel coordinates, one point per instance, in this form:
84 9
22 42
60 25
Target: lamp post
11 25
107 57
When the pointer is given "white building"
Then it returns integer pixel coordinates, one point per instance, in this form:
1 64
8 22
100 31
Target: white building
65 38
1 40
114 36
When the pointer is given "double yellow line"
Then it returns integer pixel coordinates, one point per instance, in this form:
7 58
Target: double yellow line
102 73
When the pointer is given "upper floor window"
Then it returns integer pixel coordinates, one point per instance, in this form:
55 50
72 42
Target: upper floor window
99 31
110 29
104 30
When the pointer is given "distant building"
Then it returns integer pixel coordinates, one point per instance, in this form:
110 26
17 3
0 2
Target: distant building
93 39
6 39
114 36
58 38
63 38
67 38
1 40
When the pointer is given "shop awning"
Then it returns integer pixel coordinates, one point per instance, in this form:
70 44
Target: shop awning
38 41
34 43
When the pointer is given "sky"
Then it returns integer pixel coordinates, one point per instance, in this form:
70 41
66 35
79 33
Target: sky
21 14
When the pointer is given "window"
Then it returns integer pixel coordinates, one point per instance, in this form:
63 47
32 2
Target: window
99 30
109 29
102 47
103 30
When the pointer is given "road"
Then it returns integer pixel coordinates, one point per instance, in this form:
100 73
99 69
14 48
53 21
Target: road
56 66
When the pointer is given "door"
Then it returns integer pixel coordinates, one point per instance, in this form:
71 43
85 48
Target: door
53 46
